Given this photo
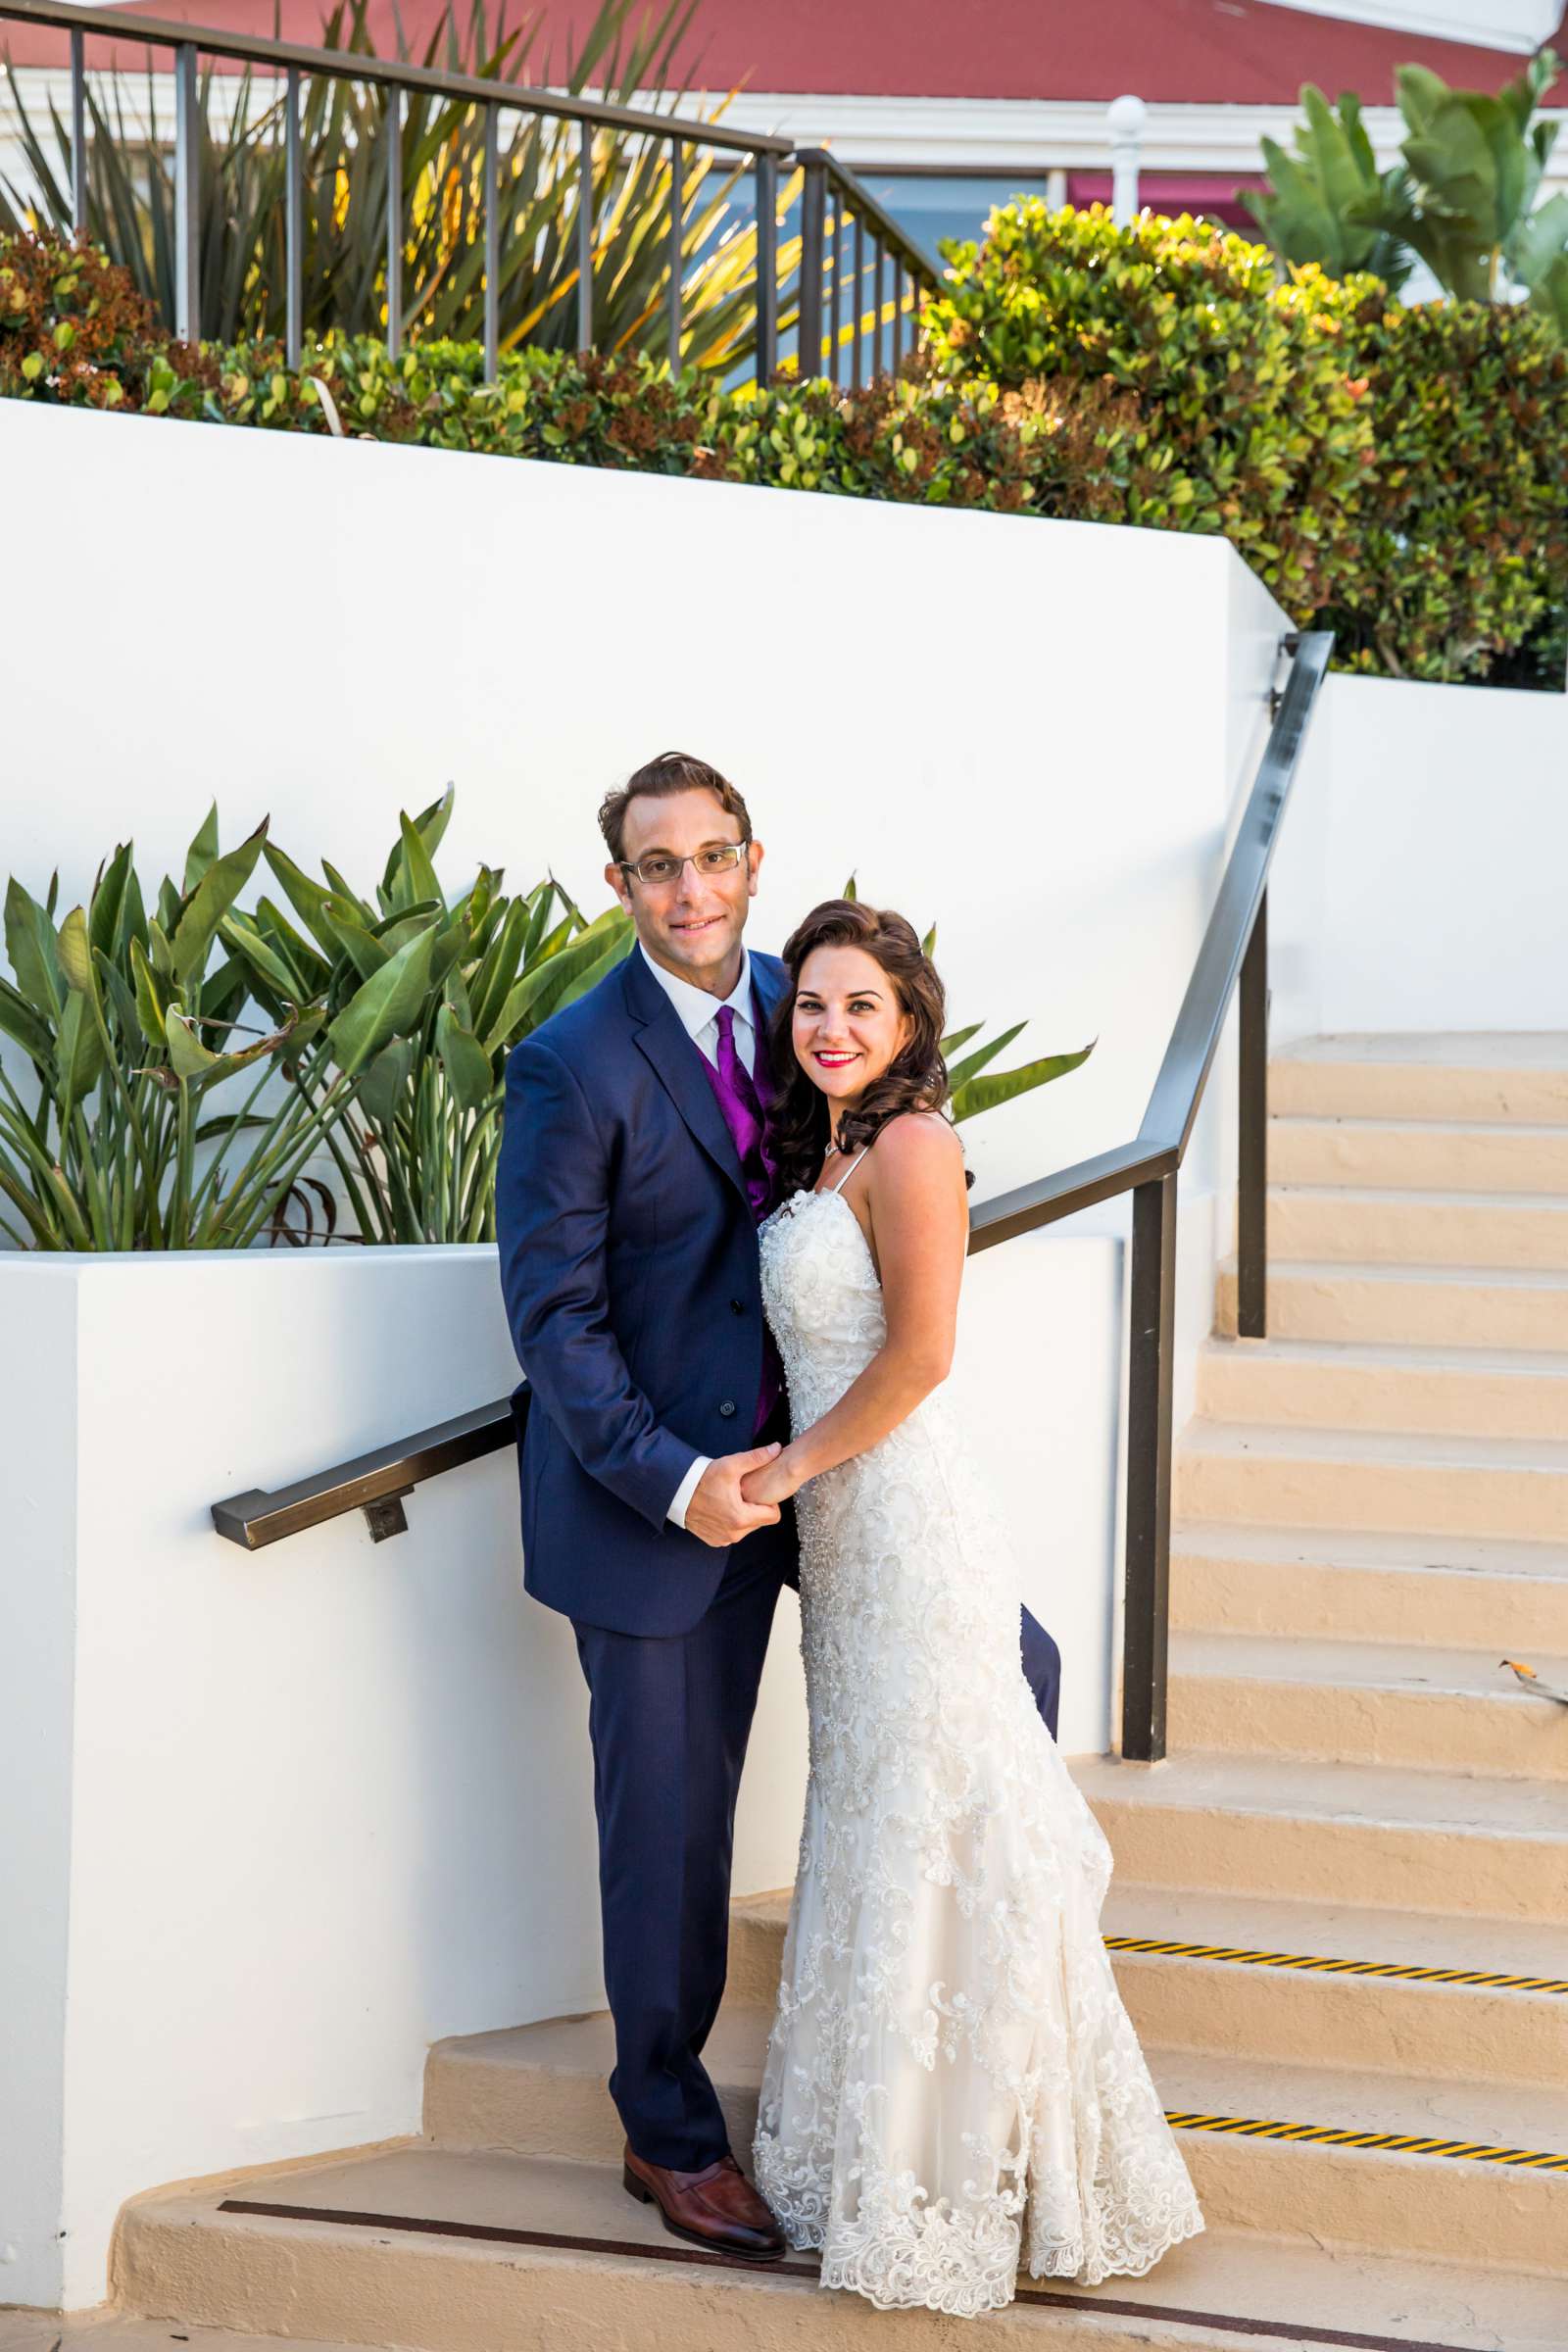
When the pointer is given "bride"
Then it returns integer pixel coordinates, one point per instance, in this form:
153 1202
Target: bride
951 2083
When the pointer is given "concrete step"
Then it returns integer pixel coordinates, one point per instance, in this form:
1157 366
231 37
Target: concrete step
1419 1155
1358 1384
1301 1983
1367 1703
1356 1223
575 2262
1497 1597
1379 1837
546 2092
1518 1076
105 2329
1451 1307
1371 1479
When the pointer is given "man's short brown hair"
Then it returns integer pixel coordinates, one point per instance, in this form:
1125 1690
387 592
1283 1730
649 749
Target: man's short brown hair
670 772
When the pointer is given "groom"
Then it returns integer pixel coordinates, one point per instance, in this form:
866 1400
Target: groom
632 1178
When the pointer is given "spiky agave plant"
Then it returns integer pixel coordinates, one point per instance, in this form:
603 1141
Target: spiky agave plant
131 195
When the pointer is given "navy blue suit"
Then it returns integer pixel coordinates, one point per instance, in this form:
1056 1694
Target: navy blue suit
630 1272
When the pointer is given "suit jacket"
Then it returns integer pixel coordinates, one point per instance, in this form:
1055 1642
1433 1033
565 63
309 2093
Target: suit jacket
630 1272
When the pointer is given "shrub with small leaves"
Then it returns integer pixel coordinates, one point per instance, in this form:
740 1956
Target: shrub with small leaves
1463 561
1399 476
1197 392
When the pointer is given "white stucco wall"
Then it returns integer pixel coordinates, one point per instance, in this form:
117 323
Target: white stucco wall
293 1815
329 1802
1419 881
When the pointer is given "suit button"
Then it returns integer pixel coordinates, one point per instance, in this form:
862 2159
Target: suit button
737 1306
727 1409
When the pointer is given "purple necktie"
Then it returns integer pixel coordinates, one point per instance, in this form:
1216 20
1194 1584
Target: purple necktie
741 1103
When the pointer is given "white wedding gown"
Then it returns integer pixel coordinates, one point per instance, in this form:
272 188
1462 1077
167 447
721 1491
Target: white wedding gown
951 2083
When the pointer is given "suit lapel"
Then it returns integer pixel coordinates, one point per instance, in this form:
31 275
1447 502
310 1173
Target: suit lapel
677 1064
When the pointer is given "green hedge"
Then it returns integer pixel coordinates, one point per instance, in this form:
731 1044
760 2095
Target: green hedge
1216 400
1399 474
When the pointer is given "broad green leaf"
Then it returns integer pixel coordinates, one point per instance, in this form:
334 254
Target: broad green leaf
215 892
973 1063
115 988
416 877
76 953
500 967
543 988
387 1004
34 957
364 952
959 1037
24 1026
155 993
80 1053
315 969
308 900
110 905
1001 1086
203 850
188 1058
240 932
467 1066
382 1087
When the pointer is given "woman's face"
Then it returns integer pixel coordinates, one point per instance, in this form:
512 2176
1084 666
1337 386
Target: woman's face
848 1024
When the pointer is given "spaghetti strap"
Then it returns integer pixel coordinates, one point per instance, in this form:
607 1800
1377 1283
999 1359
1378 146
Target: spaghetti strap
848 1171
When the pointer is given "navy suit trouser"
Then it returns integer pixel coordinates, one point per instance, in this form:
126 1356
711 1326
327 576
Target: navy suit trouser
668 1717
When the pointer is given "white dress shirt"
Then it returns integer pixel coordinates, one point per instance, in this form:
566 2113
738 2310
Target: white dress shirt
699 1014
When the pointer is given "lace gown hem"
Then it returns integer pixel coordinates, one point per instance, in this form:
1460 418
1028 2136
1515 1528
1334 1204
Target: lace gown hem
952 2089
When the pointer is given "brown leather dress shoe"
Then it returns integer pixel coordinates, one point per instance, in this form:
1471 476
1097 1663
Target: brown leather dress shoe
716 2208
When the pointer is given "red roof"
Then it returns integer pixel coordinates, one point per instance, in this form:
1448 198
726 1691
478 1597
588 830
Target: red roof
1224 52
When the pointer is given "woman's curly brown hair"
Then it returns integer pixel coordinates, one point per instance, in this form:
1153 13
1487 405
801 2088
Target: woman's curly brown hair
916 1079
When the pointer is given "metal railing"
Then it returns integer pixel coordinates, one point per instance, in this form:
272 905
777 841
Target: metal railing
836 208
1232 956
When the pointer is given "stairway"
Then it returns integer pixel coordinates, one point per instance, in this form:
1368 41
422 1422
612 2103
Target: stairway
1341 1912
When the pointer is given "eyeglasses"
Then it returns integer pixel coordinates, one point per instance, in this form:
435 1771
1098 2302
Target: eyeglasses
719 857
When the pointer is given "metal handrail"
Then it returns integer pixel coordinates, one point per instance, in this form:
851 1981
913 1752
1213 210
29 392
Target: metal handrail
1232 956
821 271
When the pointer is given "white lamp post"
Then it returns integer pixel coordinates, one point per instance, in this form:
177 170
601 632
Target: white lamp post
1125 117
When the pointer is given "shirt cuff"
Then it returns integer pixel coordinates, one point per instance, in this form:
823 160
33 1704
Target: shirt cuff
687 1488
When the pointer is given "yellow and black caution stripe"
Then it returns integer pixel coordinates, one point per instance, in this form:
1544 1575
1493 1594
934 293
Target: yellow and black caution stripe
1397 2143
1308 1964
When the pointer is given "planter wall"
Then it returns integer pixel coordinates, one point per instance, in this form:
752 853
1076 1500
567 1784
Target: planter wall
1419 884
285 1818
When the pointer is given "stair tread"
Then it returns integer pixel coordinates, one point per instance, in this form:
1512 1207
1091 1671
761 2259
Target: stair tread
1228 2275
1376 1124
1498 2113
1407 1269
1340 1931
1416 1448
1364 1665
1443 1048
1401 1195
109 2330
1400 1356
1355 1548
1410 1796
1314 1930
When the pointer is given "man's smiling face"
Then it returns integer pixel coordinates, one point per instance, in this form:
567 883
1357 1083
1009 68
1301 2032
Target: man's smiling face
691 924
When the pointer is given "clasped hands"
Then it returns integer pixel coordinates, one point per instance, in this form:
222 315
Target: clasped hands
739 1492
